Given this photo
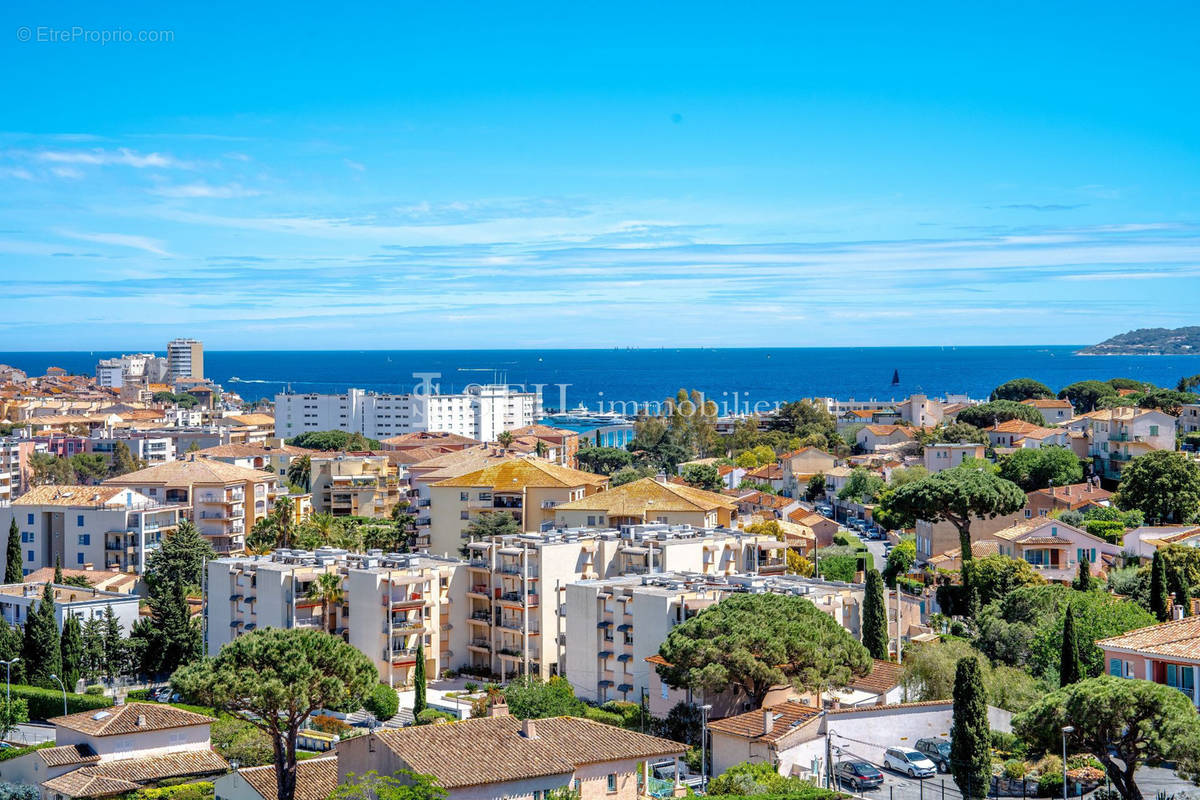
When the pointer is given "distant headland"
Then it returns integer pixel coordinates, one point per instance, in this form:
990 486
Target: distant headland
1149 342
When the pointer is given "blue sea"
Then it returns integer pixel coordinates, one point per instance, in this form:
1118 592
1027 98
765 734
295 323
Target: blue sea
592 377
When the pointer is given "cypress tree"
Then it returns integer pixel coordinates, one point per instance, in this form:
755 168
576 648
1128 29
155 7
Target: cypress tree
13 573
971 736
874 617
1179 587
1070 669
93 649
1160 603
1084 582
58 578
41 649
10 647
419 704
71 649
114 647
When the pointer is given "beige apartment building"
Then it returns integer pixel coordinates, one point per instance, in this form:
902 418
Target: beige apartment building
527 488
354 485
517 584
225 500
391 603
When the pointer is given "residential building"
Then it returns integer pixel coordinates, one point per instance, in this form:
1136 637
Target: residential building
934 539
1119 435
1018 433
316 778
1074 497
822 527
353 484
557 444
102 579
948 455
1053 410
1167 653
645 501
139 368
107 527
481 412
14 466
149 447
799 467
272 456
527 488
19 600
225 500
503 758
517 583
615 625
1145 540
185 359
1189 418
769 474
117 751
872 438
391 603
1055 548
442 440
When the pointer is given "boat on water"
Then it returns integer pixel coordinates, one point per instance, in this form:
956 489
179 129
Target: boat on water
895 377
581 415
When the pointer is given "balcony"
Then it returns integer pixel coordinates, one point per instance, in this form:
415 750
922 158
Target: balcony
480 644
402 655
478 563
517 569
513 624
517 597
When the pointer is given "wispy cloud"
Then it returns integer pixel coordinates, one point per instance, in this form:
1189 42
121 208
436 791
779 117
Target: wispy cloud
143 243
1044 206
101 157
205 190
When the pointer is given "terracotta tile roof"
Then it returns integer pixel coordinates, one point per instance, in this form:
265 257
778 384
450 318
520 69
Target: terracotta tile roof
1182 536
1178 638
130 718
69 496
493 749
888 707
786 717
127 774
636 498
888 430
459 462
316 778
763 499
986 547
1020 426
102 579
1046 403
518 473
247 450
543 432
254 419
767 472
885 675
189 471
428 438
803 516
1076 494
68 755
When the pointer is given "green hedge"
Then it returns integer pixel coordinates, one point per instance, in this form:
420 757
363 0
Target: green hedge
13 752
1111 532
813 793
47 703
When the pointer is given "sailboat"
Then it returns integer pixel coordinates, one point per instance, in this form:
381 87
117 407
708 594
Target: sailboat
895 377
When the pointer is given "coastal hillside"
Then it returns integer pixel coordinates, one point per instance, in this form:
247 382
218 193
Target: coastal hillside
1149 342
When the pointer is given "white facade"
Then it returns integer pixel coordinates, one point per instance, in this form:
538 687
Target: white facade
17 600
113 373
481 413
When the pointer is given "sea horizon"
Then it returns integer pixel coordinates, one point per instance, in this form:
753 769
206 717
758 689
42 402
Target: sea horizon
598 377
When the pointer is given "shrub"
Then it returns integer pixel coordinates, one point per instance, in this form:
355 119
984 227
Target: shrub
18 791
236 738
383 702
327 724
1050 784
201 790
431 715
47 703
1014 769
14 752
1112 532
97 689
600 715
471 687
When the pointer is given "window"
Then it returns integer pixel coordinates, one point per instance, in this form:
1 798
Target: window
79 558
79 521
85 539
1154 430
30 519
1172 675
462 496
612 782
31 556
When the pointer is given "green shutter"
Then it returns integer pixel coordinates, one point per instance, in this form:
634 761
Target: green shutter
1114 667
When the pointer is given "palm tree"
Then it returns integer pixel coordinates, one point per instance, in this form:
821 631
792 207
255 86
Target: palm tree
263 537
283 517
504 439
541 448
326 525
299 472
327 590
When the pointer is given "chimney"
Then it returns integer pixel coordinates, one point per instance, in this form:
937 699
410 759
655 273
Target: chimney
768 720
141 720
528 729
1176 612
498 709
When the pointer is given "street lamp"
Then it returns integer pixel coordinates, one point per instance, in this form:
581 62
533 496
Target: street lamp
704 709
1066 729
64 691
8 677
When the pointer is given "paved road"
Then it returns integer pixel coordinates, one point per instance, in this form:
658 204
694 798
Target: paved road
1150 780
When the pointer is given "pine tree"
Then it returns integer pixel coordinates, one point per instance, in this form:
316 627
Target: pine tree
13 572
1084 582
178 637
1160 603
971 736
1070 668
40 649
874 617
419 704
10 647
114 647
123 461
71 649
93 649
58 576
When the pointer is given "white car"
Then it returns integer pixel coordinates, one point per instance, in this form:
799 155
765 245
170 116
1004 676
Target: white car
910 762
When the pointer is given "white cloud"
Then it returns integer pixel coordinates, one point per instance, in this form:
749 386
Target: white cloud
16 172
355 165
143 243
67 172
98 157
205 190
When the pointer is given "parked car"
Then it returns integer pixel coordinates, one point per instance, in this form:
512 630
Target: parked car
162 695
858 775
910 762
937 750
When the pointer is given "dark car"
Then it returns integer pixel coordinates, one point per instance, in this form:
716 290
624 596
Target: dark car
858 775
937 750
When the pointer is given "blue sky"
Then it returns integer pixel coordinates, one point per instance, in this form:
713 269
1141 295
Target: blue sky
459 175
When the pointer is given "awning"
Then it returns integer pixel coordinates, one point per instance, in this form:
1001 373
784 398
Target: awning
624 657
625 687
604 624
625 626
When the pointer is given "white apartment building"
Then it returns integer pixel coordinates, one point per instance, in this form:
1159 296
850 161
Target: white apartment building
114 373
616 624
185 359
517 584
146 446
391 603
1189 418
14 465
481 412
948 455
107 527
18 600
